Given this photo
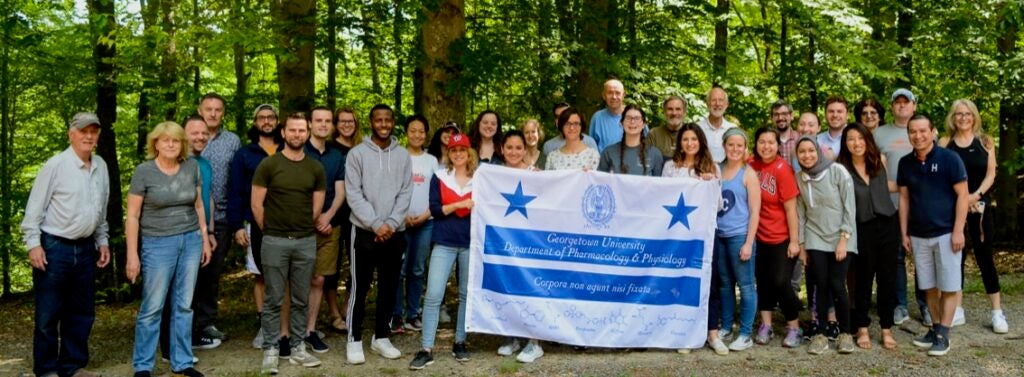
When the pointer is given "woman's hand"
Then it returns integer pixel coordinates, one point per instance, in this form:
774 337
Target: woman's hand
746 251
132 267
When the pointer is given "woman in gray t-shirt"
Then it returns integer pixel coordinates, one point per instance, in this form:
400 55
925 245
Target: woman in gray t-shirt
166 209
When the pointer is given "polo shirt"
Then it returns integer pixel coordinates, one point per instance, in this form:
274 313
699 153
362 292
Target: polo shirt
930 185
606 128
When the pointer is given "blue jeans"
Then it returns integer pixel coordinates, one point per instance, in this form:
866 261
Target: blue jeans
733 272
413 269
441 261
65 305
901 284
169 264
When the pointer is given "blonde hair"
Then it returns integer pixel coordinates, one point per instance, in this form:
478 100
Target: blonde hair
166 129
471 164
540 131
951 118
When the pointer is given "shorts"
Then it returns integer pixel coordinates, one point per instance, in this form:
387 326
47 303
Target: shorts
327 253
936 264
250 261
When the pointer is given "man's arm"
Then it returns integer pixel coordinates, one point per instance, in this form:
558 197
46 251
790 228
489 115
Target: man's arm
259 193
362 209
962 197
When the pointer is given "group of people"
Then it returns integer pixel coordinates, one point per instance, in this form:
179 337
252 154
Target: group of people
316 204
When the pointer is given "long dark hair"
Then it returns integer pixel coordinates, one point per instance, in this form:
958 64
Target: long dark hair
434 148
622 144
702 162
475 137
872 156
778 140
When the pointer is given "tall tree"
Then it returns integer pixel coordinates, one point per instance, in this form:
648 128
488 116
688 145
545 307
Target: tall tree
6 142
1011 110
331 50
443 29
238 56
721 41
593 54
296 31
904 38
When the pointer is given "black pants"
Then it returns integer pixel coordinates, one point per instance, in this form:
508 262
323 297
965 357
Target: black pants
830 283
877 244
204 301
386 259
980 229
715 296
773 269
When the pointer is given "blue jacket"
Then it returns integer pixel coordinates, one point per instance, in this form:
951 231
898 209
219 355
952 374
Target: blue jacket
243 165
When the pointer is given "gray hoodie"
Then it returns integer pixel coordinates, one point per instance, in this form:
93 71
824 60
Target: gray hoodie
378 185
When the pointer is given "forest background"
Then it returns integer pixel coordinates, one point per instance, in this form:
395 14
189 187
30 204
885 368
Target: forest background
136 63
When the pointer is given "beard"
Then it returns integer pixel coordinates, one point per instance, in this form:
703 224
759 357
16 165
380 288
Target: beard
270 133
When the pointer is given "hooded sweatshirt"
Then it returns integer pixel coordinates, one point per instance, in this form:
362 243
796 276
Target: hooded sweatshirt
827 205
378 185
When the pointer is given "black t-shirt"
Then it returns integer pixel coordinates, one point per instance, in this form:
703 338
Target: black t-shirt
975 159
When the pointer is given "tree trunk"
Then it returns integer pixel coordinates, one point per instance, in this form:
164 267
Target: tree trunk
372 49
6 125
812 78
721 52
195 51
296 30
904 32
104 27
783 72
631 6
396 34
148 73
241 76
169 59
593 55
1011 109
332 57
441 66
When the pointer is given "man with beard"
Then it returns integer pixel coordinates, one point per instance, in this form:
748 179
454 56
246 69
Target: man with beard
715 125
782 117
664 137
287 196
264 140
379 185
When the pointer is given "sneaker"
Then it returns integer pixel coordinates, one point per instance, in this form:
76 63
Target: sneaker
718 346
819 344
926 340
195 360
793 338
203 342
414 324
188 372
511 346
212 332
810 331
900 315
141 373
832 331
764 334
940 347
316 343
301 357
460 352
354 353
443 316
724 334
269 361
999 325
959 318
384 348
397 327
926 319
742 343
531 352
257 342
284 346
683 351
846 343
421 360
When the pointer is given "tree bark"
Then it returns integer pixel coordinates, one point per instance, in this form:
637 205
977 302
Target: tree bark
783 72
812 78
148 73
6 126
721 52
396 34
296 29
169 59
904 32
592 58
241 76
444 28
332 57
372 49
1011 109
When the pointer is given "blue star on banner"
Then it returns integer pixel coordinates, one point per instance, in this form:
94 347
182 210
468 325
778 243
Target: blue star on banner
517 201
680 212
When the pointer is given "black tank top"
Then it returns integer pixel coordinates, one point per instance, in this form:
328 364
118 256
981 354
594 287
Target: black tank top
975 159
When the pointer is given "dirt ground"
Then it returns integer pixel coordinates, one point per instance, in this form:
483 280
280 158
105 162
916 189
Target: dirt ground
976 351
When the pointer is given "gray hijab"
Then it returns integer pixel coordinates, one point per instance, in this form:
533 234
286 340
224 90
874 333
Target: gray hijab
822 164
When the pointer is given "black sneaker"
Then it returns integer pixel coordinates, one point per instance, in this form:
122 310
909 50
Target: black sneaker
212 332
143 373
421 360
925 341
188 372
284 348
316 343
397 327
940 347
832 331
203 342
460 352
810 331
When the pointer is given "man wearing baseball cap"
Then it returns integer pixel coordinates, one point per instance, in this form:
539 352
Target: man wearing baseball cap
65 232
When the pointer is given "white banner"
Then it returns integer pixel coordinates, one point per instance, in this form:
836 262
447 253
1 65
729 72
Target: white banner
591 259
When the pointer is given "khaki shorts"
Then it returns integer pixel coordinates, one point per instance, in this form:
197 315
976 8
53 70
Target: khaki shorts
327 253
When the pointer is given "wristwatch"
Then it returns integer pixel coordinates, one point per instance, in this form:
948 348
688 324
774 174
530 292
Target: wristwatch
846 236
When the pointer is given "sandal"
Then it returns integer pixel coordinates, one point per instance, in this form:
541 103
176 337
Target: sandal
863 339
888 342
339 326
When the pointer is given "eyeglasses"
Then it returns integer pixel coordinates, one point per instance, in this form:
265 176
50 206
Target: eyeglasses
572 124
963 115
869 113
782 114
634 118
266 117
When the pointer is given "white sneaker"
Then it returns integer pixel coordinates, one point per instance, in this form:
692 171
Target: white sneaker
511 346
384 348
531 352
742 342
718 346
301 357
999 325
900 315
269 361
354 353
958 317
443 316
257 342
724 334
195 360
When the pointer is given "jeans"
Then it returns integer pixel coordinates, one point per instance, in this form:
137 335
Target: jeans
65 305
441 261
733 272
414 267
286 261
208 281
170 264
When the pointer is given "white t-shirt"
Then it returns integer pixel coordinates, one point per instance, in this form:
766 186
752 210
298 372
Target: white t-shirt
423 167
714 137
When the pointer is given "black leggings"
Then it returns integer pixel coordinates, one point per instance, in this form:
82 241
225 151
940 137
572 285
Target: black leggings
773 270
830 283
877 246
715 296
980 228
